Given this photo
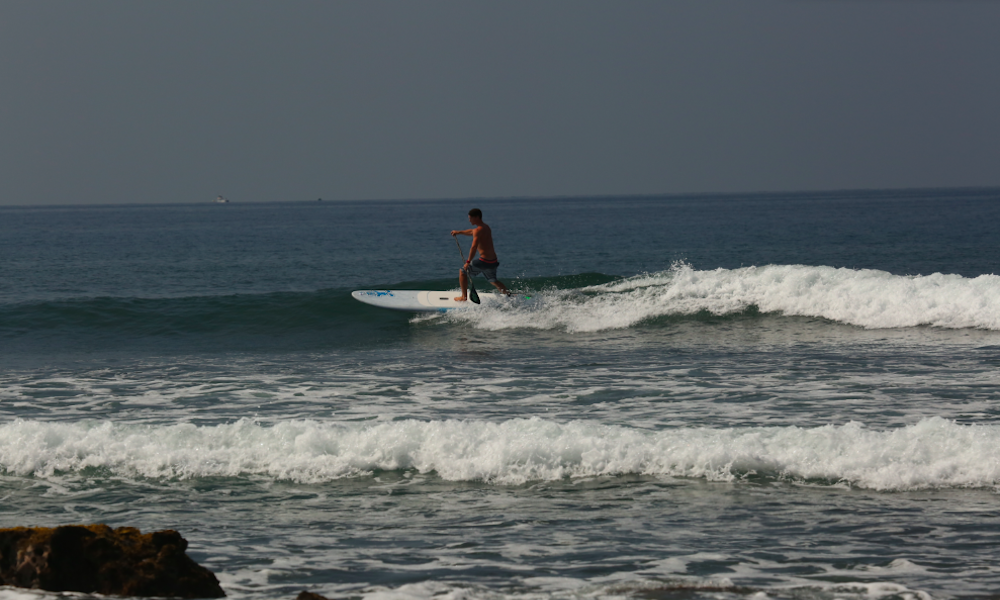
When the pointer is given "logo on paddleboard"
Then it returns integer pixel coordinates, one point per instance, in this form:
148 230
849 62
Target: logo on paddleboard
375 293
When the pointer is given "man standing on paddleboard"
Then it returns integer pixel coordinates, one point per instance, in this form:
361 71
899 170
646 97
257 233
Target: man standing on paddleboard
487 263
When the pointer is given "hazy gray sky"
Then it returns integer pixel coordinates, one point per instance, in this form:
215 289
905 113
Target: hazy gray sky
109 101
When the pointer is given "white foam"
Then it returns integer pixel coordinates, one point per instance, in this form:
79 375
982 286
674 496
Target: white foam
866 298
930 454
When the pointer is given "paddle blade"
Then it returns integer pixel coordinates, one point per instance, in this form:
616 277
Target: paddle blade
473 295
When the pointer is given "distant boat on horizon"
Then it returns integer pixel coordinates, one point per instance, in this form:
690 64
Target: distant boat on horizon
221 200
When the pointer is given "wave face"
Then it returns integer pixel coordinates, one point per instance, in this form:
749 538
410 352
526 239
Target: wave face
286 320
934 453
579 303
865 298
176 316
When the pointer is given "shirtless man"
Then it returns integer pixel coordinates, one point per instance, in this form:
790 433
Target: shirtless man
487 263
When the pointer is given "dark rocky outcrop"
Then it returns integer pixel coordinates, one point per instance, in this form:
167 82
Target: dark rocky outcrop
98 559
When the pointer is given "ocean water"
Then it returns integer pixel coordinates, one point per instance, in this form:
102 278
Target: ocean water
789 396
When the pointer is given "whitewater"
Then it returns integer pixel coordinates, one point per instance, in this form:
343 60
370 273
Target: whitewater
933 453
865 298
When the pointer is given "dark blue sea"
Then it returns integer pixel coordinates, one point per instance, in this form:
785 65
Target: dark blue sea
789 396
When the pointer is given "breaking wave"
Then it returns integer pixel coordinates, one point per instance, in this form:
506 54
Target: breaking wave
578 303
864 298
933 453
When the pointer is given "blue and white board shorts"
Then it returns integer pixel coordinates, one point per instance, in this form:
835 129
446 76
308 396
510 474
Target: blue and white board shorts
487 270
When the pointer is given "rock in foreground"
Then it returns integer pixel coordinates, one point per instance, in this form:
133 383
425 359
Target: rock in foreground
98 559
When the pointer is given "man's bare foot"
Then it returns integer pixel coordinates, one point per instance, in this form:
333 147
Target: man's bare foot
460 299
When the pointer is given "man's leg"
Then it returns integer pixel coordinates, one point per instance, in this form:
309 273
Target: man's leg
463 281
500 286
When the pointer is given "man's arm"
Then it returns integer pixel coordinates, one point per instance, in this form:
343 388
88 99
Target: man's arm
474 232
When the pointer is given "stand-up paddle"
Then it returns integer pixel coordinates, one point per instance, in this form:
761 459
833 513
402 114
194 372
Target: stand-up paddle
473 295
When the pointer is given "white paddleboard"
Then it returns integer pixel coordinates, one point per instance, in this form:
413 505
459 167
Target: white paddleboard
423 300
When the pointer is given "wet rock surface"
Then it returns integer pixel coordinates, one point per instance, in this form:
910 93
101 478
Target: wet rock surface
102 560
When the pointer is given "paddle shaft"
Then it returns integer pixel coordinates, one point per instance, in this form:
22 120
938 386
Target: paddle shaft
460 251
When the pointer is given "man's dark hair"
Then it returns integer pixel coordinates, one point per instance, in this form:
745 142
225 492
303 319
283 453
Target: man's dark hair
475 212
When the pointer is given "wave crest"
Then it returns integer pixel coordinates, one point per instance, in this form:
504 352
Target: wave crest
933 453
865 298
